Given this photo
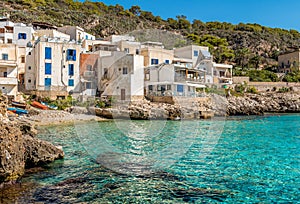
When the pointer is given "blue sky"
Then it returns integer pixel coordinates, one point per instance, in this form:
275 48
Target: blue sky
272 13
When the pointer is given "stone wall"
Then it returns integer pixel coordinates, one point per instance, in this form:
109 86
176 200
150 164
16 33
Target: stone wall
265 86
240 80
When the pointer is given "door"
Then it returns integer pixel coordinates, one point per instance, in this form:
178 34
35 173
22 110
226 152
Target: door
123 94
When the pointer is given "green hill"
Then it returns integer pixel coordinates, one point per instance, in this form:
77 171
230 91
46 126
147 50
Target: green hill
245 45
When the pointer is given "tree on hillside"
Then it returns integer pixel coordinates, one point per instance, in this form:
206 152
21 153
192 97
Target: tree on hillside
136 10
242 56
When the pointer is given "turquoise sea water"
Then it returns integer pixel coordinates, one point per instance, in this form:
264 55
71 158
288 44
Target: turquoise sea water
237 160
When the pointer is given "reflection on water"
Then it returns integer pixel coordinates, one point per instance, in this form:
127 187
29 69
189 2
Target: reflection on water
253 161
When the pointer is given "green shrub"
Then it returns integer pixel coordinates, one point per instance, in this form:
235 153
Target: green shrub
283 90
252 89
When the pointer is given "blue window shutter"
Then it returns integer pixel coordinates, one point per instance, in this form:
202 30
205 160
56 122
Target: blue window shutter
19 36
25 36
48 68
180 88
74 55
71 69
47 81
48 52
71 82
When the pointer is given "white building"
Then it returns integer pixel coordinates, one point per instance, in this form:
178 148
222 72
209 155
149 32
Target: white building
121 76
9 69
217 74
190 52
52 67
178 79
76 33
15 33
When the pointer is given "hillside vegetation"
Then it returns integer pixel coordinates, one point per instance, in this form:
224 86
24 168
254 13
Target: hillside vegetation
244 45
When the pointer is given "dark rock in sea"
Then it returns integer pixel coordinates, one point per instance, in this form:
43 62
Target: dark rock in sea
193 194
38 152
20 149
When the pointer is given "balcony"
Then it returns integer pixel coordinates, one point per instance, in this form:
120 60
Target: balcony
185 79
89 74
8 63
89 92
8 81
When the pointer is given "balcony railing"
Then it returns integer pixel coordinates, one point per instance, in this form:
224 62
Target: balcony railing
5 63
184 79
89 74
8 81
52 88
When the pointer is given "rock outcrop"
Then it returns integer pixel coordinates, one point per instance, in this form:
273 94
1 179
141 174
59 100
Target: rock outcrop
20 149
206 107
258 104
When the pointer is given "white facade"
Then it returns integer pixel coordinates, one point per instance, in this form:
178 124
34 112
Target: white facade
53 65
121 76
190 52
9 69
53 34
16 33
173 80
76 33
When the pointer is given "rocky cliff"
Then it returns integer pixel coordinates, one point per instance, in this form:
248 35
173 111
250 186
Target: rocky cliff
20 149
258 104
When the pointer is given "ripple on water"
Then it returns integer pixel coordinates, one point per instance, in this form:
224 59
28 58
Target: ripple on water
256 159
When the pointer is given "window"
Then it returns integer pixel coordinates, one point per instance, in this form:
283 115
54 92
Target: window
48 68
180 88
22 36
105 73
154 61
23 59
71 69
137 51
29 80
167 61
169 87
4 74
126 50
71 82
88 85
29 67
47 81
71 55
5 56
125 70
150 88
29 53
89 67
48 52
86 37
196 53
9 41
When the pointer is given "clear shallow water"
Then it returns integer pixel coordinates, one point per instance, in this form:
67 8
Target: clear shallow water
242 159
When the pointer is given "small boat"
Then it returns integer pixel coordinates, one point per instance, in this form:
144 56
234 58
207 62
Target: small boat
17 110
39 105
11 114
51 107
18 104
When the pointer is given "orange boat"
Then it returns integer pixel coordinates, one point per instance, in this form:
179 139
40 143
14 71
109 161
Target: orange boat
39 105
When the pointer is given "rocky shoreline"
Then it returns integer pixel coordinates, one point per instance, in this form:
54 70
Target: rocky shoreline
211 105
20 149
259 104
